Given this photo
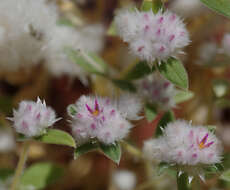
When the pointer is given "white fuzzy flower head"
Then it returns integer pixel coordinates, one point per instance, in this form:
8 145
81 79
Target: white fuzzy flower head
124 179
7 142
32 118
158 91
99 118
184 144
152 37
226 44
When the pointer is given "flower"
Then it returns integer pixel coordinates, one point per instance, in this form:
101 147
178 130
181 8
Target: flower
226 44
99 118
32 118
7 142
158 91
184 144
124 179
29 35
152 37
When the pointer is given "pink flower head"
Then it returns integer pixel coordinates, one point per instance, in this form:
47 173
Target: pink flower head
100 118
152 37
32 118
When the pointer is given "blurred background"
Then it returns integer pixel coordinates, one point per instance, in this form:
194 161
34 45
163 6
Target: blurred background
209 75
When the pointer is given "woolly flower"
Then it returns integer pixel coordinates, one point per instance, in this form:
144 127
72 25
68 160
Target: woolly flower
99 118
184 144
7 142
124 179
150 36
226 44
158 91
29 34
32 118
207 53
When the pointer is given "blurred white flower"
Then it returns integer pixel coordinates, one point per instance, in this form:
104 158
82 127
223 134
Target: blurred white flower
29 34
152 37
7 142
185 144
226 44
100 118
32 118
186 8
158 91
206 53
124 179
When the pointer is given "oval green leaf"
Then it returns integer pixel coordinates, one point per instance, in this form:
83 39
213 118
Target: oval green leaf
124 85
226 176
150 112
182 96
54 136
113 151
219 6
40 175
85 148
166 118
174 71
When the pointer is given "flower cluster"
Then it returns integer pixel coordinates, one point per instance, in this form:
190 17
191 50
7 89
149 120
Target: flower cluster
29 34
158 91
152 37
100 118
184 144
32 118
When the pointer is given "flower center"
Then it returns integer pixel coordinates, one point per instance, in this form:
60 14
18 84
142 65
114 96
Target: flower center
203 143
96 111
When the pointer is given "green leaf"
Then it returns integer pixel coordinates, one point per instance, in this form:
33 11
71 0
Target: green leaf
157 5
72 110
183 181
150 112
166 118
88 61
40 175
162 167
182 96
175 72
214 168
65 22
112 31
5 173
54 136
220 87
113 151
220 6
124 85
146 5
226 176
212 128
140 70
85 148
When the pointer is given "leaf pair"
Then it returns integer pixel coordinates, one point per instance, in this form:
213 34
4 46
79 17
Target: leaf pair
112 151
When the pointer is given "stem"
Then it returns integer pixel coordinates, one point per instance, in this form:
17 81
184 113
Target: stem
132 149
183 181
20 166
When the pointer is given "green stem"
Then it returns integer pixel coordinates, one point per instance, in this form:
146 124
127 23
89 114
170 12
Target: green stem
183 182
20 166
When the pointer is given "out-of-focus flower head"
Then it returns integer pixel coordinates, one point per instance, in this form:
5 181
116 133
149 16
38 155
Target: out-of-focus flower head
29 34
32 118
100 118
226 44
189 147
124 179
156 90
152 36
7 142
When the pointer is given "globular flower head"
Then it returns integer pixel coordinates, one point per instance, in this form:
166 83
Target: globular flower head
158 91
152 37
226 44
98 118
32 118
184 144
